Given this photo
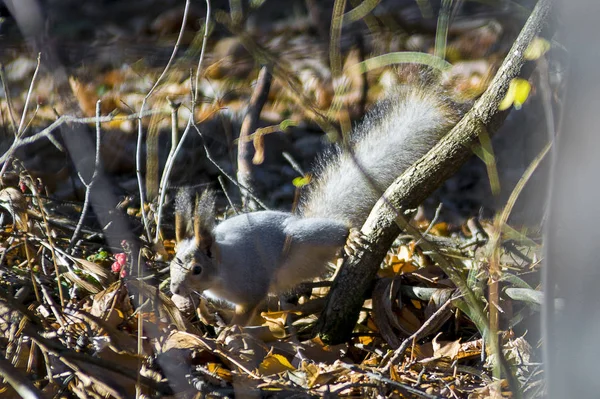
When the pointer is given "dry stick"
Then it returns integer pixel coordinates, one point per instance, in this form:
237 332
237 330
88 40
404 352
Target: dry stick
50 239
414 185
19 131
244 159
90 185
222 183
140 327
30 266
224 173
11 110
431 224
399 386
78 361
47 132
28 98
138 152
417 335
20 383
288 157
169 164
164 181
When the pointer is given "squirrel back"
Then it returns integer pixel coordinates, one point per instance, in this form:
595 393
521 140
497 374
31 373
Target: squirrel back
393 135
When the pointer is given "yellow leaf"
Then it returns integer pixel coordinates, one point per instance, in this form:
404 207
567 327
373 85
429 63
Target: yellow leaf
536 49
274 364
517 93
521 93
365 340
219 371
301 181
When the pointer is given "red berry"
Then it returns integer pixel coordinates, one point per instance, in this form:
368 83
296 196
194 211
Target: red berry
121 258
116 267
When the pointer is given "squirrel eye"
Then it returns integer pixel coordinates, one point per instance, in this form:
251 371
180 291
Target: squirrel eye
197 269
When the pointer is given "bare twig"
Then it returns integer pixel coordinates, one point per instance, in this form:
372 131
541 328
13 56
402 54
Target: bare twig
288 157
28 98
431 224
222 183
32 187
88 186
416 335
19 131
224 173
164 181
47 132
399 386
138 152
11 110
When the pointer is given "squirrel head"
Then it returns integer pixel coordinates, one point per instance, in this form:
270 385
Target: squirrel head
194 267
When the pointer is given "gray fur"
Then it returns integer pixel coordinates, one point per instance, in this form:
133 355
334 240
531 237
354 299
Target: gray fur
205 209
394 135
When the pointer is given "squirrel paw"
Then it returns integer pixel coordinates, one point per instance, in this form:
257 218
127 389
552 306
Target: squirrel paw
355 242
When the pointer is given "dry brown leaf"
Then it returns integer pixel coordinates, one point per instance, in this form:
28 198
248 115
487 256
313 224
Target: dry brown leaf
317 376
317 351
241 348
86 97
445 349
15 203
113 297
276 322
259 148
184 340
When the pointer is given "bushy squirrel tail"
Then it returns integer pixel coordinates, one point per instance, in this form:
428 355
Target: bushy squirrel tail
394 134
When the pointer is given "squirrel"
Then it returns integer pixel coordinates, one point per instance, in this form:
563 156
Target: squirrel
244 258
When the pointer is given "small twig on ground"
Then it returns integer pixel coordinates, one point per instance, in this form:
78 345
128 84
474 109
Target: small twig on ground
31 184
398 353
401 387
431 224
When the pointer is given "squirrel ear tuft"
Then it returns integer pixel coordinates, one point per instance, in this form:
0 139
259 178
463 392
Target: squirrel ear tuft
204 218
183 215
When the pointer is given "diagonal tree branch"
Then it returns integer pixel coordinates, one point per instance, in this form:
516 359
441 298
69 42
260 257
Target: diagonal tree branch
416 183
